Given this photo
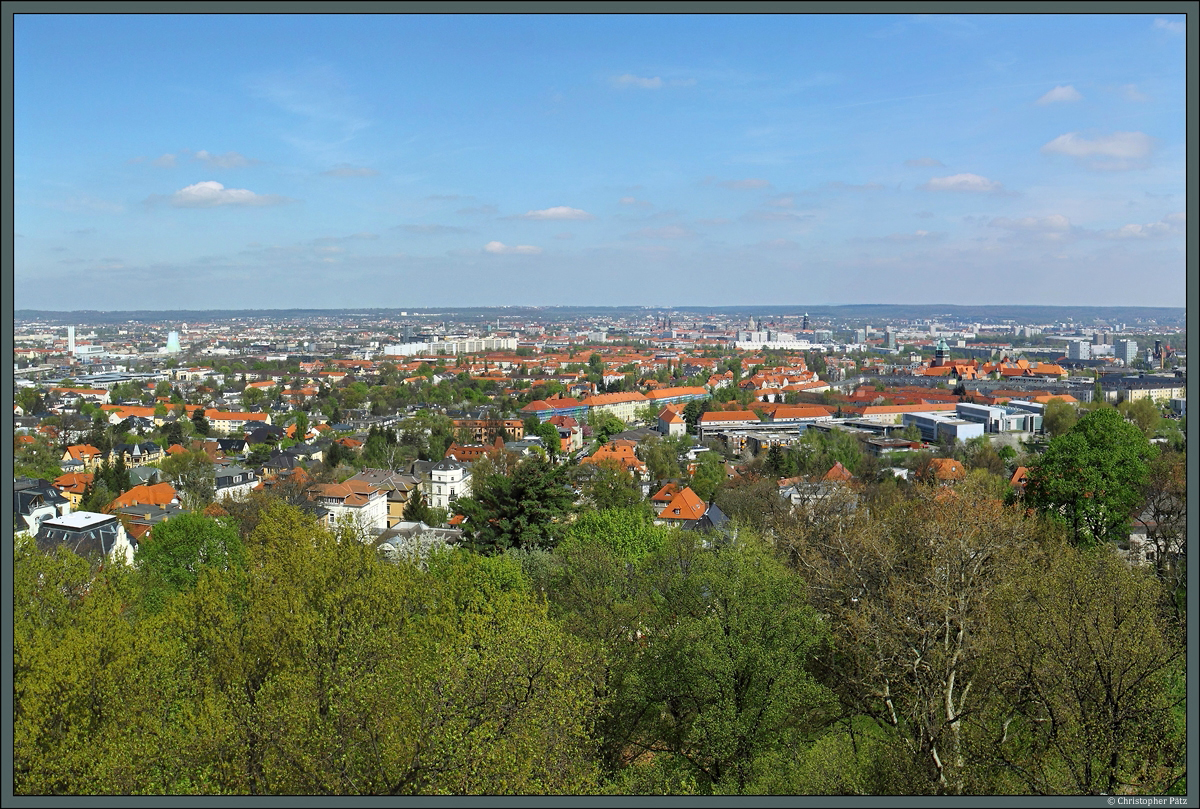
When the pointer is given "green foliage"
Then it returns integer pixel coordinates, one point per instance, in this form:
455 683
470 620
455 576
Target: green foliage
1058 417
521 509
605 425
629 533
709 475
37 460
191 473
417 510
608 485
717 674
180 550
1091 477
199 422
1084 673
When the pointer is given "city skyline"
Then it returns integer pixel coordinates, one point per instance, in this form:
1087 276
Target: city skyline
176 162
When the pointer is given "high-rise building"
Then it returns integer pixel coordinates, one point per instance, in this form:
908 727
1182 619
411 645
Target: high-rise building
71 340
1079 350
1127 350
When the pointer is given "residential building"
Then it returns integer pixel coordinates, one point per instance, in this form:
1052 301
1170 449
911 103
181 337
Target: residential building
97 537
449 480
355 500
36 500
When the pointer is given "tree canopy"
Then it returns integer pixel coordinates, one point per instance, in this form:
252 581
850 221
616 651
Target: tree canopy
1091 477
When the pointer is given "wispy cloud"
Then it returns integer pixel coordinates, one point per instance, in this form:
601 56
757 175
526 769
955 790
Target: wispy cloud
1174 26
838 185
211 194
630 80
665 232
1170 225
319 96
747 184
166 161
558 212
1120 150
361 236
649 82
431 229
634 202
229 160
346 170
910 238
923 162
1130 92
1060 93
971 183
481 210
84 203
500 248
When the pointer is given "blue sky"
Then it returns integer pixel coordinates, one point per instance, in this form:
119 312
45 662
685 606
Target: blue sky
258 161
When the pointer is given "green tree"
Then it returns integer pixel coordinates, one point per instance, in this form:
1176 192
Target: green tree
518 510
191 474
605 425
199 422
181 550
1091 477
1058 417
709 475
1087 680
417 509
252 397
607 485
38 459
301 425
1142 412
722 678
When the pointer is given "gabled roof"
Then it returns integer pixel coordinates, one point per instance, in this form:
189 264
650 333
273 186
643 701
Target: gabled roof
685 505
838 472
947 469
158 494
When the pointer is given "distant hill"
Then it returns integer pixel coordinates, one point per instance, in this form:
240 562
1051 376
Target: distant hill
1019 313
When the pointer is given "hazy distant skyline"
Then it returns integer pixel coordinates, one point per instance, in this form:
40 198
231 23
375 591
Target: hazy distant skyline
264 161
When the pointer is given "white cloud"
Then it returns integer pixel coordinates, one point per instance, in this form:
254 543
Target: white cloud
923 162
782 201
229 160
634 201
630 80
210 194
1060 93
557 212
167 161
482 210
1120 145
564 236
1168 225
500 248
1046 224
1130 92
962 182
665 232
909 238
1119 151
431 229
345 170
1174 26
838 185
747 184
